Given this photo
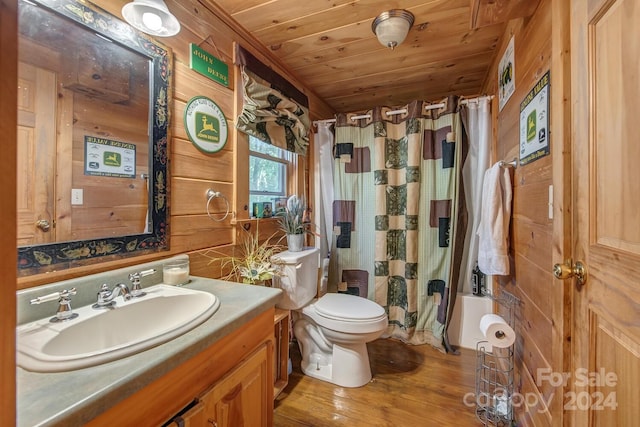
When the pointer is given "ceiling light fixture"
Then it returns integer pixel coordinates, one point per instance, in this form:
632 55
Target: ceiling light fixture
151 17
391 27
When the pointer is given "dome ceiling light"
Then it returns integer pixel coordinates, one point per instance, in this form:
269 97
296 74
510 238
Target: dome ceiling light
391 27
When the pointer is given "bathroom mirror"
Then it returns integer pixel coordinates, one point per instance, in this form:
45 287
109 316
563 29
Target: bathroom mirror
92 136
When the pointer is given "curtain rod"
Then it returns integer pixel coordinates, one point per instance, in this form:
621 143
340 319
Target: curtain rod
478 99
388 113
404 110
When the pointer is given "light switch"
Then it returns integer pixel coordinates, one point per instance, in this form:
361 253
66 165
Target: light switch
76 196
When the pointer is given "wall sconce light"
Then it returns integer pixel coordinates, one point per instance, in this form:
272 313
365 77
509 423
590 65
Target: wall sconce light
391 27
151 17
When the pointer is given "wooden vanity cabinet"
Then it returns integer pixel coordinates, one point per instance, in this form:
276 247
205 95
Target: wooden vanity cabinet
236 400
231 382
239 399
224 405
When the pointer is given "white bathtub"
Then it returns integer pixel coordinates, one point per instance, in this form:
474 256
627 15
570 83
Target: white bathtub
464 330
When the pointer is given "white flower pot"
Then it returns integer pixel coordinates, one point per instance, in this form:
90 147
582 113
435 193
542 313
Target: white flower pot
295 242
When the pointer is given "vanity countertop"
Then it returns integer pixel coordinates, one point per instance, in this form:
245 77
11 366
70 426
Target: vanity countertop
75 397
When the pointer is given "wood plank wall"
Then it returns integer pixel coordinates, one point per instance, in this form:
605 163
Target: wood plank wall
531 229
191 171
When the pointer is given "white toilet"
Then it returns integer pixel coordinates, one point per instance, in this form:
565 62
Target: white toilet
332 331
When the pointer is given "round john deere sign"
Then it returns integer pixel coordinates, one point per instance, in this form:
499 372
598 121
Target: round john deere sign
205 124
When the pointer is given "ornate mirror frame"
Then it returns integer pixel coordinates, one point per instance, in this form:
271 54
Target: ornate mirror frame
46 257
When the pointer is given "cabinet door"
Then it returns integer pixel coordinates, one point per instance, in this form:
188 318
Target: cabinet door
243 397
194 417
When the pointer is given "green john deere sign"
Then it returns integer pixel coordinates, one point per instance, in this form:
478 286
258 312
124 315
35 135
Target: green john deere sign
208 65
205 124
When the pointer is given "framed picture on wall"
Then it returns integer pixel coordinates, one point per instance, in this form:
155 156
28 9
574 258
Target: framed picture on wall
534 122
506 75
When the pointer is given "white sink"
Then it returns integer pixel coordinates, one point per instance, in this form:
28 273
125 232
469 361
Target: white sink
102 335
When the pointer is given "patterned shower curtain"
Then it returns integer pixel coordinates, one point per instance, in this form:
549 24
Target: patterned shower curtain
395 214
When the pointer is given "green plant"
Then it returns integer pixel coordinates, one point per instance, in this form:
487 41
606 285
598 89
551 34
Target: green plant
255 262
292 220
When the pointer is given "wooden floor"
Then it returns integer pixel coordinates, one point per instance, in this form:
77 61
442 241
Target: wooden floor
412 386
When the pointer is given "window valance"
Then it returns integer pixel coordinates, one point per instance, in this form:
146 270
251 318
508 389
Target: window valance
274 110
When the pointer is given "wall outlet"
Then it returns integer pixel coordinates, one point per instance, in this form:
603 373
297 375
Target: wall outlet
77 196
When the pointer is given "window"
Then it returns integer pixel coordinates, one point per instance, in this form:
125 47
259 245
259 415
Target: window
269 168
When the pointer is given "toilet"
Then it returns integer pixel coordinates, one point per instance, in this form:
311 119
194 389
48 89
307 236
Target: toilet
333 330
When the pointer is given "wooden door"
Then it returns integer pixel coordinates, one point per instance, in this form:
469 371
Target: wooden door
36 155
605 91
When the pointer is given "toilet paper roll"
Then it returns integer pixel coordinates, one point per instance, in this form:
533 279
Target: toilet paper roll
497 331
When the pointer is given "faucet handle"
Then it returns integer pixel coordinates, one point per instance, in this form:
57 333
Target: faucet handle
136 288
64 311
54 296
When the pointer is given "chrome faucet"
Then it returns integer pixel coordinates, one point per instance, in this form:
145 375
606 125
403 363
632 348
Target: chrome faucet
106 297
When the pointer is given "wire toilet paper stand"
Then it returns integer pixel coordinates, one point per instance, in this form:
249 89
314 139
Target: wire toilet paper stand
494 373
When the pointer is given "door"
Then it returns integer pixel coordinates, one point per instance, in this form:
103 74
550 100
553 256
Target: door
36 155
605 91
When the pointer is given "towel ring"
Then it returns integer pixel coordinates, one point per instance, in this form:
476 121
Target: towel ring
212 195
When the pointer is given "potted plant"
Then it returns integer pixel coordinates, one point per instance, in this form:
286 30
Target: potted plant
255 264
294 223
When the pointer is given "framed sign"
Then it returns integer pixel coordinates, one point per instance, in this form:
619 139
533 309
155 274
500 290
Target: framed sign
205 124
208 65
506 75
534 122
106 157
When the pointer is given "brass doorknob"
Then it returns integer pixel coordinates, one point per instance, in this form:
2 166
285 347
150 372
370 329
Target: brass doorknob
569 270
43 224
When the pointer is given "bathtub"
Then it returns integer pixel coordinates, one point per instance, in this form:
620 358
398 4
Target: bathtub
464 330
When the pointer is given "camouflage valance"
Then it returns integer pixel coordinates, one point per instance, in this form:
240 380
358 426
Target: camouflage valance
244 58
272 117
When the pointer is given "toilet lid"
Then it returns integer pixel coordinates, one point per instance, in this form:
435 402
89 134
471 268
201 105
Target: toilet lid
348 307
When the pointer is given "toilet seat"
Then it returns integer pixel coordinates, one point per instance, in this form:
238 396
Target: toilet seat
347 313
348 307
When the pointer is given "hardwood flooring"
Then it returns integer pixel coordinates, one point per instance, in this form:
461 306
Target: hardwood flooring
412 386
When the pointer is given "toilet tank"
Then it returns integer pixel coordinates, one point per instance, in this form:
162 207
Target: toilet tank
299 278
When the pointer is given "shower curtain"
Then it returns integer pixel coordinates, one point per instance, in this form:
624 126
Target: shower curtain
476 119
323 151
398 240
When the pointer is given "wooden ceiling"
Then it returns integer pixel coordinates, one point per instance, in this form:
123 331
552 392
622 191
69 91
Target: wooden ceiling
329 45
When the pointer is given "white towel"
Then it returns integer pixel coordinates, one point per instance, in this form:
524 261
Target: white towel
493 231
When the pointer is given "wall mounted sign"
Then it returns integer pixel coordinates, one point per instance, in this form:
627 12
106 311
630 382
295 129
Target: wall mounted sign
106 157
205 124
506 75
534 122
208 65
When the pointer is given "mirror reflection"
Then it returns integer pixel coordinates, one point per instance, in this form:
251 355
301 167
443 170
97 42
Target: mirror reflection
92 111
